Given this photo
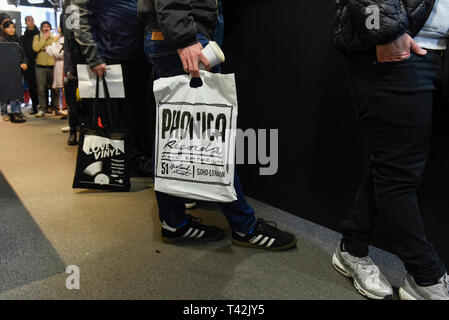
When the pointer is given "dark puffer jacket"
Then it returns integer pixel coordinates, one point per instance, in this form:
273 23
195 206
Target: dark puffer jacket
397 17
179 20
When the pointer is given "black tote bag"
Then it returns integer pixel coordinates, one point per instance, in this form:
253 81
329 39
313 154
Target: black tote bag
102 162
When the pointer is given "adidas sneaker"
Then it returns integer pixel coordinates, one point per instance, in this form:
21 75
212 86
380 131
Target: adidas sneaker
266 235
194 230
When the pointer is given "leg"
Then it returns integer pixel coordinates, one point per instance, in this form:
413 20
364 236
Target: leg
247 231
70 95
166 63
54 92
399 165
4 108
136 114
32 86
41 81
16 106
240 214
16 111
359 227
397 112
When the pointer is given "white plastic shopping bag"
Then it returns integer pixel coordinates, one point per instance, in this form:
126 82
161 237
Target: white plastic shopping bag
87 81
195 137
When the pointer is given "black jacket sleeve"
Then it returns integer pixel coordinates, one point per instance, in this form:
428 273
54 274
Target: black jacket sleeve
84 35
176 22
393 20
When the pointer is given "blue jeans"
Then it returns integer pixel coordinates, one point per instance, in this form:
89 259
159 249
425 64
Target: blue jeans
15 107
4 108
240 215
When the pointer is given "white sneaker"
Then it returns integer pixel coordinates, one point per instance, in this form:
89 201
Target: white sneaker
368 280
410 290
65 129
40 114
191 205
61 113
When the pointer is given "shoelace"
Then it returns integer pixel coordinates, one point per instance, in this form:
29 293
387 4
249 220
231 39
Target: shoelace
194 219
446 283
266 226
368 267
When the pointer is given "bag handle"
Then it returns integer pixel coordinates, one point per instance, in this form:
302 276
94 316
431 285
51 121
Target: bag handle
94 106
108 101
97 98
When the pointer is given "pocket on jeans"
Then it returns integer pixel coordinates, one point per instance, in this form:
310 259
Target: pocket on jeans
412 57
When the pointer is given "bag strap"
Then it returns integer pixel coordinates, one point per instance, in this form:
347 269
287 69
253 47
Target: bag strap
94 106
108 101
97 98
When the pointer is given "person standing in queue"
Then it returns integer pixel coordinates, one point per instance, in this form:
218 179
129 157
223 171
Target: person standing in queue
30 73
398 71
176 31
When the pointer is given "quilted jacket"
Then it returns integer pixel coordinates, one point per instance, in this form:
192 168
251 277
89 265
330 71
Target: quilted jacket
179 20
396 17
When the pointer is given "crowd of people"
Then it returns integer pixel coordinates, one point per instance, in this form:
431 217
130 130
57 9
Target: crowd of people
41 66
163 38
50 80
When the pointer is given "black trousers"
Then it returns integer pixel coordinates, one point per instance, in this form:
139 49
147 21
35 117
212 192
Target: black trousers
395 103
30 77
78 111
136 113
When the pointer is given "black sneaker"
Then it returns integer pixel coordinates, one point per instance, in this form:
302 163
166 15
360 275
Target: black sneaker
17 117
195 230
265 236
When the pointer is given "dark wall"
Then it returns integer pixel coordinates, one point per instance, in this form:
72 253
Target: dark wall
289 77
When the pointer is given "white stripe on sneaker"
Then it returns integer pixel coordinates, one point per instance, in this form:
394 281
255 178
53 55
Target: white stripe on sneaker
271 242
187 233
263 241
167 227
194 233
201 234
255 239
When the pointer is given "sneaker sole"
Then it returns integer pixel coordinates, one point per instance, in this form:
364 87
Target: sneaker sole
404 295
181 239
250 245
341 269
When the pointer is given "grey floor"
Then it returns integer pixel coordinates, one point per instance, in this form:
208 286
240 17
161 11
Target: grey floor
114 238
